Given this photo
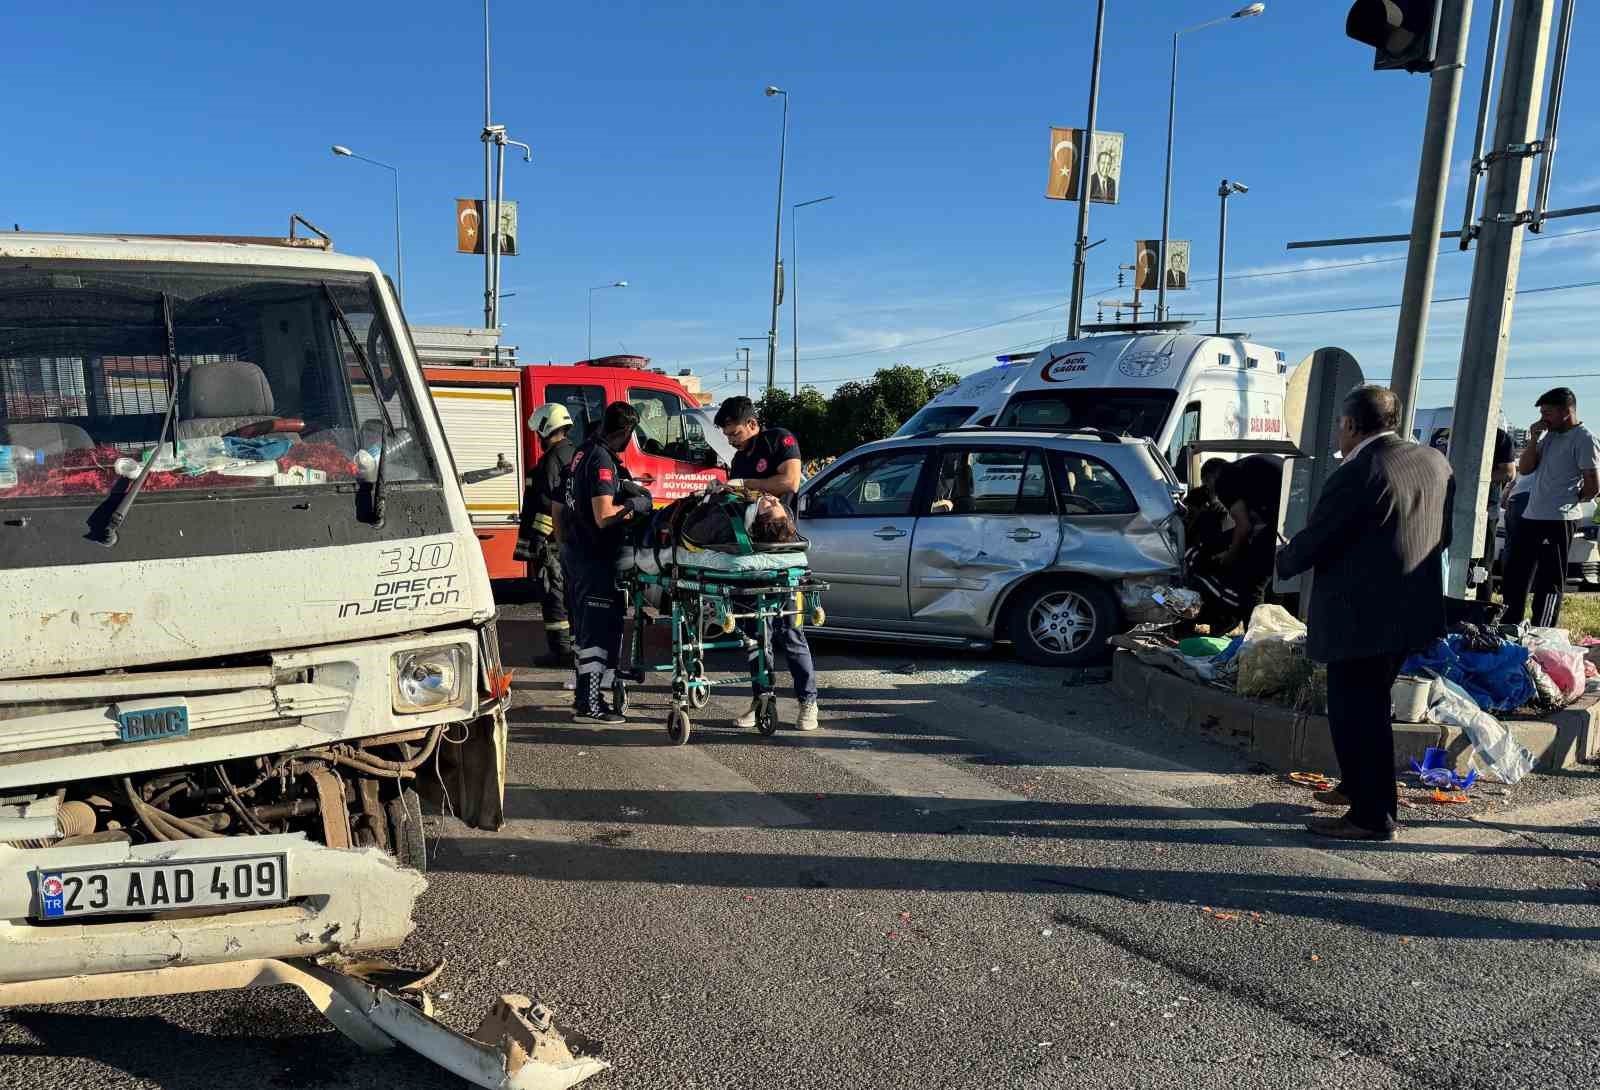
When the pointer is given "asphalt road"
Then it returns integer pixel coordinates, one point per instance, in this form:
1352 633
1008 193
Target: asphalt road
978 874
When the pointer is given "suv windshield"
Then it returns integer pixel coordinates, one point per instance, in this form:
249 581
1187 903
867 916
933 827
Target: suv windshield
271 394
936 418
1122 412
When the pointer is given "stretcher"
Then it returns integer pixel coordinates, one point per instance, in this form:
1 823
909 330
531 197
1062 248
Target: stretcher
712 600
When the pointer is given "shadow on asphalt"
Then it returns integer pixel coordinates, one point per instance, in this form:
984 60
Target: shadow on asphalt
161 1053
1349 901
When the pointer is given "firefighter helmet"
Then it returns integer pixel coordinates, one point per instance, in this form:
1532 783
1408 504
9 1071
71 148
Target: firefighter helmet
549 418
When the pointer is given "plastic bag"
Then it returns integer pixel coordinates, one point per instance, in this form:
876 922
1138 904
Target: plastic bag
1272 657
1565 669
1552 649
1492 741
1547 694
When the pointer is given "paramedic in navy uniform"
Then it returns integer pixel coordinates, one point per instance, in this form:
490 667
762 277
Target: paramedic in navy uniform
601 499
768 460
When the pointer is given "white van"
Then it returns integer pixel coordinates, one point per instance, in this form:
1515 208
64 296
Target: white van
1172 388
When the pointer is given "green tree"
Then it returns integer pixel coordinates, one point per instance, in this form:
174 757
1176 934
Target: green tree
805 415
857 413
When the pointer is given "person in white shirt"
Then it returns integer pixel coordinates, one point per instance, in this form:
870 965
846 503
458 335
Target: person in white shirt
1566 457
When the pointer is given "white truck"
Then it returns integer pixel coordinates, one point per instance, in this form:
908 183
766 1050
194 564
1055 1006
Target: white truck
246 625
1173 388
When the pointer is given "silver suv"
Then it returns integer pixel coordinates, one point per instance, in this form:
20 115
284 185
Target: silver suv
1052 540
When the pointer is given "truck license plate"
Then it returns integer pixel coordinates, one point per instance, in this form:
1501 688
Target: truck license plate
145 721
161 887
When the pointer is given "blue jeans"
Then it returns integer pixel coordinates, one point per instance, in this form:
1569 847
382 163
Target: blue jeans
796 652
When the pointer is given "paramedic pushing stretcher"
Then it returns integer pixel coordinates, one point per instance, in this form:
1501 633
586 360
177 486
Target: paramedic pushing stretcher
536 537
601 500
768 460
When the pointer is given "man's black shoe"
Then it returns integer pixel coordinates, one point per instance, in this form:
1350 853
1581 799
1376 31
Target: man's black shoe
602 715
1345 829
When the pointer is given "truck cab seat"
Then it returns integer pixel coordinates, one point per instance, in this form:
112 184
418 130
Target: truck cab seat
219 397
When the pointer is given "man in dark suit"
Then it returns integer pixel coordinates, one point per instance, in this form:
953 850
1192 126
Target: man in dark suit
1102 183
1375 541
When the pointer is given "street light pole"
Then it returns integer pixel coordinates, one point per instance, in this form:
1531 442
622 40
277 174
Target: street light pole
399 261
1166 190
794 285
777 241
598 287
746 352
1081 240
1225 190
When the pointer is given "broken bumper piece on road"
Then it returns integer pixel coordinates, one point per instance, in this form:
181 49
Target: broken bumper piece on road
516 1047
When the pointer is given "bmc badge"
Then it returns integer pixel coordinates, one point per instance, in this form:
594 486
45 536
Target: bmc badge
761 466
788 440
604 474
1061 368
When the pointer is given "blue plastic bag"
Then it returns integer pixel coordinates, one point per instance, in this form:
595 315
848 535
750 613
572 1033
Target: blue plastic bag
1496 680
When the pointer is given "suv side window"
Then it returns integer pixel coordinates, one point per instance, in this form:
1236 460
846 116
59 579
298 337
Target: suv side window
1087 486
876 486
587 404
991 482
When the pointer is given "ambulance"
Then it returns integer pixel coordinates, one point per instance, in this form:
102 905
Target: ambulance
1170 387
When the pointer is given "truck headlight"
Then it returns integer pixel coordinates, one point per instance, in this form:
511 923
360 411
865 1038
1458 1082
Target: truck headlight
430 678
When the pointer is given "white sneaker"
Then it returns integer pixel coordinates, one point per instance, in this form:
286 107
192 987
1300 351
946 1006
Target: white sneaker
748 719
808 716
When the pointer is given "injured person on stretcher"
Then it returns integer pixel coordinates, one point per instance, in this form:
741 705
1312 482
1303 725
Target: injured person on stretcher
723 519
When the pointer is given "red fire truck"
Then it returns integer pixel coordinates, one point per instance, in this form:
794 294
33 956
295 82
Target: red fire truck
484 397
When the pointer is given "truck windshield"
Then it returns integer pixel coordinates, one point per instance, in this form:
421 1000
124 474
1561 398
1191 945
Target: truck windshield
271 394
1122 412
936 418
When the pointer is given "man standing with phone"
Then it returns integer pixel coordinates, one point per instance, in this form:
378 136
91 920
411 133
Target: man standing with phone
1566 458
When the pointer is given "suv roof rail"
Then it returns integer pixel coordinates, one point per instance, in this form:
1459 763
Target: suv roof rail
1098 433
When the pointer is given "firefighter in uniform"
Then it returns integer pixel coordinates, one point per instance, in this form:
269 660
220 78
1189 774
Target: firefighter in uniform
537 539
768 460
601 498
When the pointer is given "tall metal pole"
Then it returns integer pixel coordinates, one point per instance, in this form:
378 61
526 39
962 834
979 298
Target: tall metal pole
1079 262
1491 55
494 218
777 244
1427 213
488 179
1487 336
794 296
1222 248
1166 193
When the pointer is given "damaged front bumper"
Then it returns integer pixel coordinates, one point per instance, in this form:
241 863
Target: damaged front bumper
515 1047
340 899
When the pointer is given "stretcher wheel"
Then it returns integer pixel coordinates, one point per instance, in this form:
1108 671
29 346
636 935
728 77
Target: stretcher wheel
767 714
699 695
619 696
678 726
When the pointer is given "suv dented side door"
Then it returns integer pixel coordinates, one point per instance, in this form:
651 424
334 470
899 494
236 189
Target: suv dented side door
989 521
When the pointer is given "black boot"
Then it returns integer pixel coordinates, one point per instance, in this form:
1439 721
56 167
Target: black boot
590 706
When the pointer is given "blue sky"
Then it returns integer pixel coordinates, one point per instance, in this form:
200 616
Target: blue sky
655 160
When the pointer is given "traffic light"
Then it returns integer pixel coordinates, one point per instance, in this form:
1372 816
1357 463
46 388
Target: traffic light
1405 33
